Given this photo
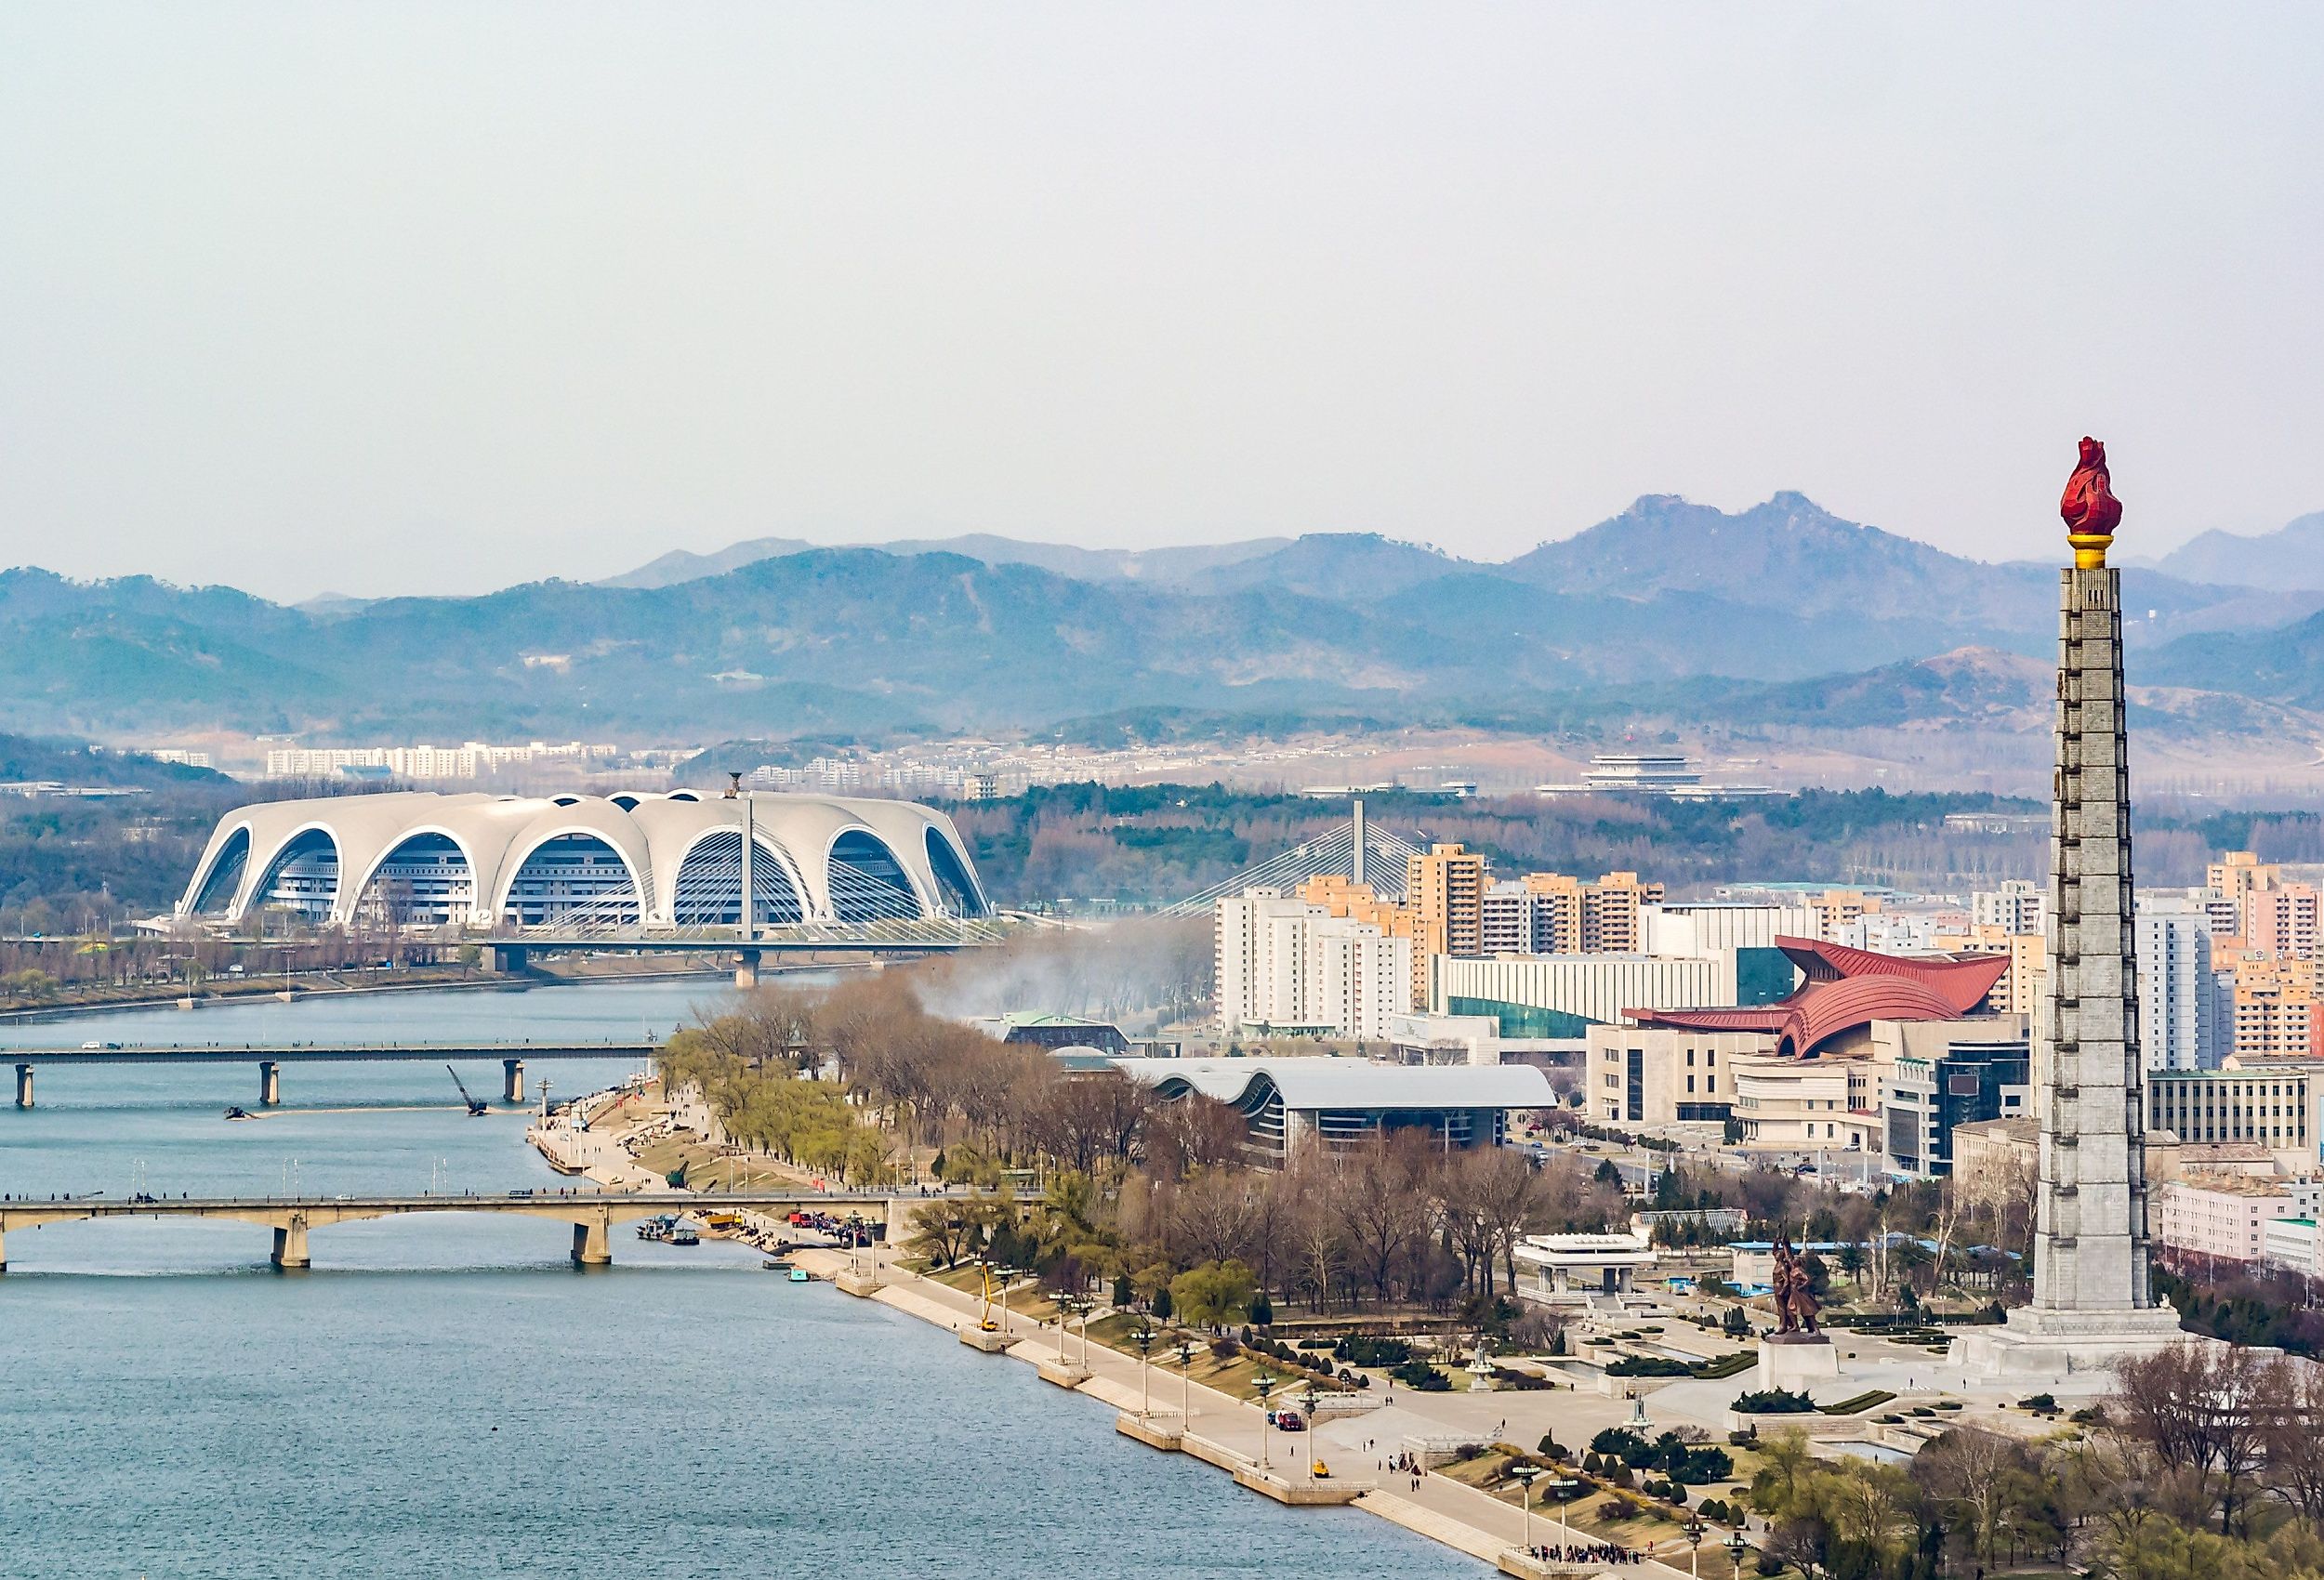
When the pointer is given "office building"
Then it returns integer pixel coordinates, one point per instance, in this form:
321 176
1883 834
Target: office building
2274 1106
1937 1075
1655 1075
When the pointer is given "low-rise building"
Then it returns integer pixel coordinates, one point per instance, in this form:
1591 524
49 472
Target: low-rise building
1786 1103
2224 1217
1563 995
2275 1105
1337 1104
1565 1269
1661 1076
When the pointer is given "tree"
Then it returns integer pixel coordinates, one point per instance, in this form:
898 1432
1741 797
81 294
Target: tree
1210 1296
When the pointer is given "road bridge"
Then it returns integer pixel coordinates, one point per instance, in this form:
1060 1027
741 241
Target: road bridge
593 1213
271 1057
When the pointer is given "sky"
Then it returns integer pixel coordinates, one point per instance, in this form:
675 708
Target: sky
438 297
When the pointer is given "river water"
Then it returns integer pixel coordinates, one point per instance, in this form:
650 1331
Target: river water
445 1396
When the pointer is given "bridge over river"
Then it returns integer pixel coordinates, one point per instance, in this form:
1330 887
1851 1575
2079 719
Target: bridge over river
591 1212
271 1058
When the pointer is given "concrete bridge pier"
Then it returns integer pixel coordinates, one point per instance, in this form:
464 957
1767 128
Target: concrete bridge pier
290 1243
23 1086
506 958
592 1246
746 968
512 1080
4 1252
271 1088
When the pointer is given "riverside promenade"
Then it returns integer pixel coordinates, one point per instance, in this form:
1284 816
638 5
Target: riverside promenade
1226 1431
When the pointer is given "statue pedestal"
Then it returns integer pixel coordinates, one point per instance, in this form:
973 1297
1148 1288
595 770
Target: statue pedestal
1796 1360
2046 1346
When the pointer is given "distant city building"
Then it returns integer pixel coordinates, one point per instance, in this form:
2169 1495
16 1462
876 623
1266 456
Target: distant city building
422 763
1563 995
1648 773
2178 991
1034 1029
2279 1107
2276 1009
2017 907
2281 919
190 758
1291 1105
1553 913
1445 888
1650 1075
2226 1217
1936 1076
1287 965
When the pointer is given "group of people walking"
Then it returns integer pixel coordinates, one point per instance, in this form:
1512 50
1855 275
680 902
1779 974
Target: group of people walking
1580 1553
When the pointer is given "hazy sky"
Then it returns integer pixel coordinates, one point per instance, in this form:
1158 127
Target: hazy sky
409 298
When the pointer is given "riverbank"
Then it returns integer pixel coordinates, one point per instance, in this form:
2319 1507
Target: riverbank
1232 1435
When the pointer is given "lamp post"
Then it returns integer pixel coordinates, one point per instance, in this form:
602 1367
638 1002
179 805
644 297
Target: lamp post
1003 1275
1264 1385
1695 1547
1185 1380
1736 1548
1307 1402
1143 1339
1562 1490
1525 1475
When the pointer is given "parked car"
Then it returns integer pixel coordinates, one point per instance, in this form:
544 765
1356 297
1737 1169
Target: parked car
1288 1421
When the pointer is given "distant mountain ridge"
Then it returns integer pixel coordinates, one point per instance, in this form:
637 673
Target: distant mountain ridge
1782 611
2291 555
1083 564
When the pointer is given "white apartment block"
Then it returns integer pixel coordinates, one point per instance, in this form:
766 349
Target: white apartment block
2179 1014
2018 907
1283 963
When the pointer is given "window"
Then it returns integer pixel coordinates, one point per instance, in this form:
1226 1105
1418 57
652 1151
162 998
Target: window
1690 1059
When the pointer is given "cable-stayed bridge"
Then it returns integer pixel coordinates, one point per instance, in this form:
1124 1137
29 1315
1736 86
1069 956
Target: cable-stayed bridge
1357 850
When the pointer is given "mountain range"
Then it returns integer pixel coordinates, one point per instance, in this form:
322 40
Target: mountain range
1779 612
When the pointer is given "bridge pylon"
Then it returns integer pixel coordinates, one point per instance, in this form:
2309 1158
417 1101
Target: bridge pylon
290 1243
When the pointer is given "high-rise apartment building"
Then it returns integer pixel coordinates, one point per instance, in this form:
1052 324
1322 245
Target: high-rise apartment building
1553 914
1284 964
2178 1014
2275 1008
2017 907
1444 888
2280 919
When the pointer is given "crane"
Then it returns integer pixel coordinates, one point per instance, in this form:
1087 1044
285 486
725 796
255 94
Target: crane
475 1109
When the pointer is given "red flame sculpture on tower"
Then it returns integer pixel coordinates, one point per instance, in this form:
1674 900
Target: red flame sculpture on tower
2090 508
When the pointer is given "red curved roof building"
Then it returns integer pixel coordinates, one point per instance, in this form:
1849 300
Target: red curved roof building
1844 992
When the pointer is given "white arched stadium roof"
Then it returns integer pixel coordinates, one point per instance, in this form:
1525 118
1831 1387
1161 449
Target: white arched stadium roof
652 838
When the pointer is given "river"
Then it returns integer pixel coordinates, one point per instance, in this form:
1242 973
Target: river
444 1396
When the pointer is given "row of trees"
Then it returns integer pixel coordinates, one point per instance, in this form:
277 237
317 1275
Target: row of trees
2207 1463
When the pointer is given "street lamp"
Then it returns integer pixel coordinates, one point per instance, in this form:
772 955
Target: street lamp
1264 1385
1695 1529
1143 1339
1736 1548
1525 1474
1185 1380
1307 1402
1003 1275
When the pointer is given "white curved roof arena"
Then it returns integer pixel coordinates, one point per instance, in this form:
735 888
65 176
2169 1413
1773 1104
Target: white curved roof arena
656 859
